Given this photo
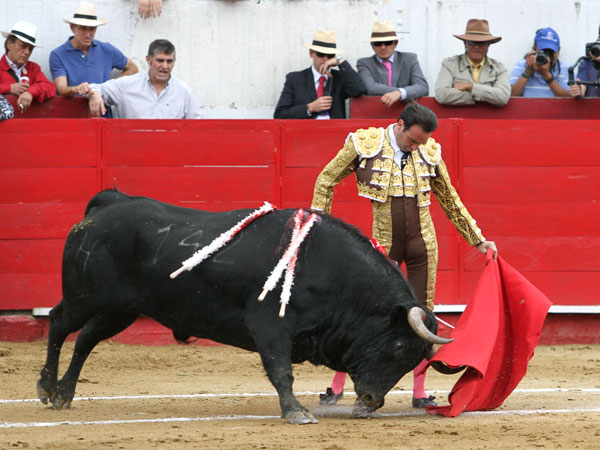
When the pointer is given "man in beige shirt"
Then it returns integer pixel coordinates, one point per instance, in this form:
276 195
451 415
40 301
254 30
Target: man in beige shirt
473 76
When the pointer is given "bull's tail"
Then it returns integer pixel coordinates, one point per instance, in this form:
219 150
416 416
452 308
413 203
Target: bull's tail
105 198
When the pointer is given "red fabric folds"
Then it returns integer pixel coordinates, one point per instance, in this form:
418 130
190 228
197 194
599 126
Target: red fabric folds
495 338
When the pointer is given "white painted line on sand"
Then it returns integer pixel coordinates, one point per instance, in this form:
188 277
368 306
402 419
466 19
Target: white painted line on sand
274 394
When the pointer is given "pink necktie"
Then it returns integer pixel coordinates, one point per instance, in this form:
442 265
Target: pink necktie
388 67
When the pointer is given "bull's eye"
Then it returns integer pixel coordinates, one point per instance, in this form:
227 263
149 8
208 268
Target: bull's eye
399 350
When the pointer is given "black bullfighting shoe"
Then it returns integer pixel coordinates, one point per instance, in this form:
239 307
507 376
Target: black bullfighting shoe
421 403
329 398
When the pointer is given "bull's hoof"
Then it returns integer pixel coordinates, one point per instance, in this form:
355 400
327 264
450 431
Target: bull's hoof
61 403
44 395
362 411
300 417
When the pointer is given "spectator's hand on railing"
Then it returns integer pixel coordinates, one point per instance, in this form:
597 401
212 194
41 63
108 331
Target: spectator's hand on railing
97 107
18 88
389 98
149 8
24 101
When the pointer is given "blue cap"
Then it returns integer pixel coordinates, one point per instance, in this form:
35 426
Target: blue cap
547 38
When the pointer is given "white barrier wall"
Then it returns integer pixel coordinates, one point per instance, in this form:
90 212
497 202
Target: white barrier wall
235 54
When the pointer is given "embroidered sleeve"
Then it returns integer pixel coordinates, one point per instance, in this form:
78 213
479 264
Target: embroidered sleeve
336 170
450 202
6 109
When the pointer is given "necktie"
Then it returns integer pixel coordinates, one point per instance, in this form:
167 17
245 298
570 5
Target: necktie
321 87
388 67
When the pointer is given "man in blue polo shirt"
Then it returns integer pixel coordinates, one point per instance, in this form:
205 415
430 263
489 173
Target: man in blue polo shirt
541 73
82 59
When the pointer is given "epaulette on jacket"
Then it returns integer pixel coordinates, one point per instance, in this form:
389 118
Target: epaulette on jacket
368 142
431 152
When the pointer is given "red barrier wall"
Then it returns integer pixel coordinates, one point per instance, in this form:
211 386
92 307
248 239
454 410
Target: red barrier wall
517 108
533 186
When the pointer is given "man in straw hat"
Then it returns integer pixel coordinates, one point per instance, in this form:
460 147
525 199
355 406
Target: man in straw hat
399 168
18 75
82 59
392 74
319 92
473 76
541 73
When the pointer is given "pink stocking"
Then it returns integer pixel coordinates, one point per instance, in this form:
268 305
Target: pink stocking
419 380
337 384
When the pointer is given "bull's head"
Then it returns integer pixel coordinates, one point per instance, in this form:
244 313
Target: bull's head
391 355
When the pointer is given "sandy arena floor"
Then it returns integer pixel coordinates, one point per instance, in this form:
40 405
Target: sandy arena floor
537 415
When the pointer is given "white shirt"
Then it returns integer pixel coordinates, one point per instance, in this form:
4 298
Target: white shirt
316 75
391 60
13 66
398 153
135 98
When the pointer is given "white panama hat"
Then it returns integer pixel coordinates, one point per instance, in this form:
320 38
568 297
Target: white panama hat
86 15
24 31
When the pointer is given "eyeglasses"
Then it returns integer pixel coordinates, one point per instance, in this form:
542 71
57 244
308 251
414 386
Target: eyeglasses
386 43
478 44
324 55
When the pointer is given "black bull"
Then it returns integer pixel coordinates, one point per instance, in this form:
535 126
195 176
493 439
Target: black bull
349 308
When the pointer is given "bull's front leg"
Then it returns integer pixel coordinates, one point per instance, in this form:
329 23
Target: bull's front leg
275 348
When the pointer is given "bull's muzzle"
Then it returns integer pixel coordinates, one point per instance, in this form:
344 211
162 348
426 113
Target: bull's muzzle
365 404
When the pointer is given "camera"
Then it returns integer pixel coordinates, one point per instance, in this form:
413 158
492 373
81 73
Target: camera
542 57
593 48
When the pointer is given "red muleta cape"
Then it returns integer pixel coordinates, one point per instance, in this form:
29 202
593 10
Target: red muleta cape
495 338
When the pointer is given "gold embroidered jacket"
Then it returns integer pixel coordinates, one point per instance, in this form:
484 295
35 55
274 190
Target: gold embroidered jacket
370 155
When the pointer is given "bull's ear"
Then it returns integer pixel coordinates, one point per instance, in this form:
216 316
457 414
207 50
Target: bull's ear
399 317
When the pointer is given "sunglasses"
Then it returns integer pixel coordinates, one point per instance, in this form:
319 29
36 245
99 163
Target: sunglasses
478 44
324 55
386 43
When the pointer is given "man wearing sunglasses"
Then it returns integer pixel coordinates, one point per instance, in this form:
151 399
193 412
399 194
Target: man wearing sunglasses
473 76
319 92
392 74
540 73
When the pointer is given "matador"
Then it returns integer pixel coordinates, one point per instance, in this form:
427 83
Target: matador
398 168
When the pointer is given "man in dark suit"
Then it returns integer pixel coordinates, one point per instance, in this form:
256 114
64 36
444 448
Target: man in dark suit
318 92
393 75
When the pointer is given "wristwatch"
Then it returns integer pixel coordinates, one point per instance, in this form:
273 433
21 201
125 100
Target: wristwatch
340 59
549 80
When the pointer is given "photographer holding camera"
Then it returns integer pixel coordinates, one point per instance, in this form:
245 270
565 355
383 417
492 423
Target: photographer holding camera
541 74
588 72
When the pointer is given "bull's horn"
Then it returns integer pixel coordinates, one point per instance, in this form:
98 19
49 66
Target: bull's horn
415 320
446 370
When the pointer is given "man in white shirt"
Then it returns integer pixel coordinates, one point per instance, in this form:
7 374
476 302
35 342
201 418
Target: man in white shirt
155 94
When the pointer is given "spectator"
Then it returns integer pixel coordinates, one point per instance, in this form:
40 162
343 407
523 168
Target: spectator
6 109
399 168
18 75
155 94
392 74
588 71
318 92
541 74
82 59
473 76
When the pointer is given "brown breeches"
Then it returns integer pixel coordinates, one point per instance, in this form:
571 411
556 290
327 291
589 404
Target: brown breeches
408 245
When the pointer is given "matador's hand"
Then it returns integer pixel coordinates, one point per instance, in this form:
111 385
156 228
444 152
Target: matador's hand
484 246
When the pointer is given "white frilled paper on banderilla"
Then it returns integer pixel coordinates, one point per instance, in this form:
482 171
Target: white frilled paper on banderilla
288 260
221 240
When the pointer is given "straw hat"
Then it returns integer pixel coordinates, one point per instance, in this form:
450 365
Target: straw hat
86 15
383 32
24 31
324 42
478 30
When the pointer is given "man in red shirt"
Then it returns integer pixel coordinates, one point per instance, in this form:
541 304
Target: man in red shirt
18 75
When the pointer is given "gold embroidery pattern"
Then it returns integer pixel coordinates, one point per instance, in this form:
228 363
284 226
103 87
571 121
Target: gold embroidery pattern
368 142
431 152
382 223
372 192
335 171
428 234
450 202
